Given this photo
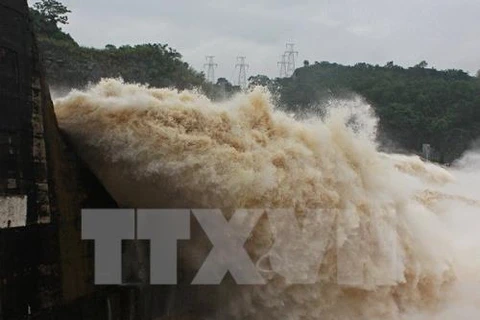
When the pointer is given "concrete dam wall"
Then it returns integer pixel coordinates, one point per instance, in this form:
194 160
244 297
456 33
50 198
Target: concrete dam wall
46 270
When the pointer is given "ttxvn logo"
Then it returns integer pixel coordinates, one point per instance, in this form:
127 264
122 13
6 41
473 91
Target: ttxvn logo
296 254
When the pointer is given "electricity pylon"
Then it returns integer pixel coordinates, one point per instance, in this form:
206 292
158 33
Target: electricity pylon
283 66
210 65
291 57
242 72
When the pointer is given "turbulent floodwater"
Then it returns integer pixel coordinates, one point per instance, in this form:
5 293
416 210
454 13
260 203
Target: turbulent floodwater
401 240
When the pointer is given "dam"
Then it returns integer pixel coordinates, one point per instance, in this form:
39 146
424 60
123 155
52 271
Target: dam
399 240
46 270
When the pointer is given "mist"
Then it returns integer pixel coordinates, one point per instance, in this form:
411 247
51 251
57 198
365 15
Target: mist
163 148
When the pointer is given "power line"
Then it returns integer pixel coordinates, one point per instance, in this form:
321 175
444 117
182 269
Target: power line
210 65
242 72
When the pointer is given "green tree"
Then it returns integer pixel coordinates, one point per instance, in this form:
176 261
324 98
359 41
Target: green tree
53 11
46 16
259 80
423 64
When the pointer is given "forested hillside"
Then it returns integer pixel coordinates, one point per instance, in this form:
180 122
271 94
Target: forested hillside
156 64
70 65
415 105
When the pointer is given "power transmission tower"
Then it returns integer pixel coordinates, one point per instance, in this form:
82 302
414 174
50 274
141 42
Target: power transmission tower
291 57
242 72
210 65
283 66
426 150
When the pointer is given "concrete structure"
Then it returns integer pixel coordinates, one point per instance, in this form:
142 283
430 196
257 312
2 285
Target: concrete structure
45 268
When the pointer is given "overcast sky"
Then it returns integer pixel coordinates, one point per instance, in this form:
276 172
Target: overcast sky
445 33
